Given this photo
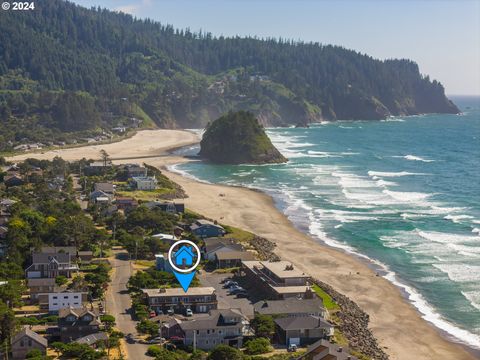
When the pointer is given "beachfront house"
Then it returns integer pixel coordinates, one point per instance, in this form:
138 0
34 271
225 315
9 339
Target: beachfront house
145 183
302 330
50 265
325 350
206 228
276 280
291 307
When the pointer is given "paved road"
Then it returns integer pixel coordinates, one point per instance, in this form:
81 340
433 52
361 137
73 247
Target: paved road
118 303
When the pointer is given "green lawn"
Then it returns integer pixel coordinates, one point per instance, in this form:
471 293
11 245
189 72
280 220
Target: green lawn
328 302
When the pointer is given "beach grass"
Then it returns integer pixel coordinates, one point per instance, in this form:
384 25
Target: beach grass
328 302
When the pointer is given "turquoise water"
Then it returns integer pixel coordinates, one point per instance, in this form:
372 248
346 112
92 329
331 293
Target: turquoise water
402 193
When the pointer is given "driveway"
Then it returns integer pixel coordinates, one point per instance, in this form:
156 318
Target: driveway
118 303
225 301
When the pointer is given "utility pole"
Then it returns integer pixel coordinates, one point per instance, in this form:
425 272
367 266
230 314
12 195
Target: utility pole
194 340
136 249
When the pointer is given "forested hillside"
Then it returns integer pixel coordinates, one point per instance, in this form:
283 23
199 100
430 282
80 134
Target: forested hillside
61 57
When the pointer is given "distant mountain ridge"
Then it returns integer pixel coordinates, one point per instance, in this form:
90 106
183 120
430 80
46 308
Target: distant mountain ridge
176 78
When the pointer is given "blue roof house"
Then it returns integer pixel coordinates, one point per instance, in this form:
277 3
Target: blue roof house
184 256
162 263
205 229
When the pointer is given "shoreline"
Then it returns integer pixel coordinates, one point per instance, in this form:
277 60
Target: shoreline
395 322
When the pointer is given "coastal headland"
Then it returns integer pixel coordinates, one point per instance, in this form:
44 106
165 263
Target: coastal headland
397 325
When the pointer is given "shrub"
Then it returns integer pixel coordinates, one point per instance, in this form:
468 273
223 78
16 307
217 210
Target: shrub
225 352
258 346
148 327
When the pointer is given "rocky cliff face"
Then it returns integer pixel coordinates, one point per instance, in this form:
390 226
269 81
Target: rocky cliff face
238 138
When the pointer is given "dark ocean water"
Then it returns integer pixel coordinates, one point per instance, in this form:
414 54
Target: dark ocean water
404 194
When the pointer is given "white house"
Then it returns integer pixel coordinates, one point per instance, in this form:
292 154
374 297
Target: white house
145 182
60 300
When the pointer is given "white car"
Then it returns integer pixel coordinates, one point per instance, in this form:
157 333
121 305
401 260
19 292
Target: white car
189 312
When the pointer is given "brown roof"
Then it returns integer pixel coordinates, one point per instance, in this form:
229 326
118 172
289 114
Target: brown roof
234 255
41 282
332 351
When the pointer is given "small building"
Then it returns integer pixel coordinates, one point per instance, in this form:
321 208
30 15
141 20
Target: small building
292 307
165 237
325 350
85 256
40 286
54 301
99 197
303 330
230 259
205 229
219 327
25 341
162 263
92 339
197 299
146 183
77 323
3 232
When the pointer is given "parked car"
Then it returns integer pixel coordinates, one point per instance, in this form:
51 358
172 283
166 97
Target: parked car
130 339
292 348
152 314
189 312
229 283
242 294
235 289
170 312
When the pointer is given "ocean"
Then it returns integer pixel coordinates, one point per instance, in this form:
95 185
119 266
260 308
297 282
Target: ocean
403 194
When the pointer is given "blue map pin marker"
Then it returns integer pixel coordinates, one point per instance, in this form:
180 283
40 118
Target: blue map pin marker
184 256
184 279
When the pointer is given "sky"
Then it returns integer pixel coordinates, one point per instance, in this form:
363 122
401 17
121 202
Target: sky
442 36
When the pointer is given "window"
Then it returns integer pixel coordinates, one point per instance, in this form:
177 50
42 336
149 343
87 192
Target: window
208 331
55 297
75 297
65 297
198 332
22 344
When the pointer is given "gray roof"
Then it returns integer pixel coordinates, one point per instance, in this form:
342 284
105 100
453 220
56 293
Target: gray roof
322 346
289 306
105 187
32 335
92 338
78 312
214 319
302 322
213 246
72 250
234 255
45 258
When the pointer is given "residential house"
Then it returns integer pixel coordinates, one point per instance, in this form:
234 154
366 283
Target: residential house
144 183
126 203
205 229
97 168
165 237
100 198
136 171
170 207
13 180
70 250
230 259
198 299
276 280
105 187
4 216
40 286
77 323
325 350
54 301
25 341
217 244
50 265
6 203
302 330
219 327
292 307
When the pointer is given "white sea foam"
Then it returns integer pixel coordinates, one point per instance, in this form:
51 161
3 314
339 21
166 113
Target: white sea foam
473 297
446 238
393 174
417 158
407 196
460 272
457 218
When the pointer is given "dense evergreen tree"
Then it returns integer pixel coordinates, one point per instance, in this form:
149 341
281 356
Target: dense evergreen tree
180 78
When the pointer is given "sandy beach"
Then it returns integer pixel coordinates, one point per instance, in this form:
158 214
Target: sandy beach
397 325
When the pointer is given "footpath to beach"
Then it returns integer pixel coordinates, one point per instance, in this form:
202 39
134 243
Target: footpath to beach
397 325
